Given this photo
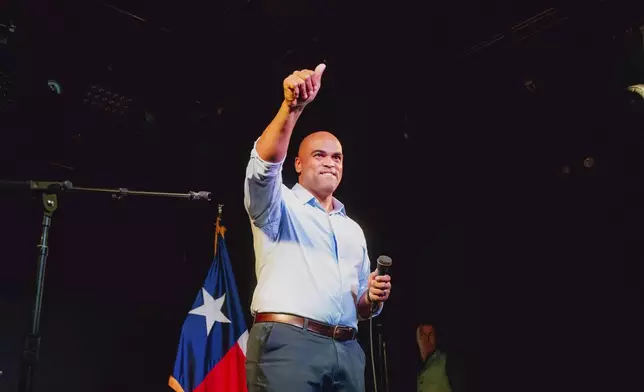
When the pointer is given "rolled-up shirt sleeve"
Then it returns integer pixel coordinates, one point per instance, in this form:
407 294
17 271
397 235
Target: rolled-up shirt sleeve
263 190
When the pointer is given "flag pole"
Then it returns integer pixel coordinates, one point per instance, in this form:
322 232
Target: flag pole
218 227
199 363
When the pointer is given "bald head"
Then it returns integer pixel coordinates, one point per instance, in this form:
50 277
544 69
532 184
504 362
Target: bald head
314 138
319 163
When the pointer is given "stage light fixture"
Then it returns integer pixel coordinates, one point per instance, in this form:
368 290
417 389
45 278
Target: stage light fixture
637 89
6 29
55 87
105 100
530 86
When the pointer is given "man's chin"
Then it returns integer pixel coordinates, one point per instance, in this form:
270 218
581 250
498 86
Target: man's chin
327 188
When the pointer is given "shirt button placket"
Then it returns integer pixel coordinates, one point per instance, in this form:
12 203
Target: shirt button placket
337 262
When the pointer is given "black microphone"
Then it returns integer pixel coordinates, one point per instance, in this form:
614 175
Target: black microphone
384 262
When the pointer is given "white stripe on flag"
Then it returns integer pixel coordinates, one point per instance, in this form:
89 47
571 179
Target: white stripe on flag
243 341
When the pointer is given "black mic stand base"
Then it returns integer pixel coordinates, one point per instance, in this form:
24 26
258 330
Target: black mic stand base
31 348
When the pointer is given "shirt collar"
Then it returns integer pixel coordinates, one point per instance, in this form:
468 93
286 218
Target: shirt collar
307 198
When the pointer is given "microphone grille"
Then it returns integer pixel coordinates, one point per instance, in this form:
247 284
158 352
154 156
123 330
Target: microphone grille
384 260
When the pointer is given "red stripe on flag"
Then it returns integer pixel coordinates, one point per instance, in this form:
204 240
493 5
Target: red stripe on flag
229 375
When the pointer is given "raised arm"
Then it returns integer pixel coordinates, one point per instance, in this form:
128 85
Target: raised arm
262 188
300 88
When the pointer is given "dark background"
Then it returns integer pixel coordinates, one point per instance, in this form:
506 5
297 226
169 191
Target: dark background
527 260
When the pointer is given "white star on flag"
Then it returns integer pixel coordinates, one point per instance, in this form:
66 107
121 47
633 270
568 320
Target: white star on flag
211 310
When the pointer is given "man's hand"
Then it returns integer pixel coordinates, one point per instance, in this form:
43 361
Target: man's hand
301 87
379 287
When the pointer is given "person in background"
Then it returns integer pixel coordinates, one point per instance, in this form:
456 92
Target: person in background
435 373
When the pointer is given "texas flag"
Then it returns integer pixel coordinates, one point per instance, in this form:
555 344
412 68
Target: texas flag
212 347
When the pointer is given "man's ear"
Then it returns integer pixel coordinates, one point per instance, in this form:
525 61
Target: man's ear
298 165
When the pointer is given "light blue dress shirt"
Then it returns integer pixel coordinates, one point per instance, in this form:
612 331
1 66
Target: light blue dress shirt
309 262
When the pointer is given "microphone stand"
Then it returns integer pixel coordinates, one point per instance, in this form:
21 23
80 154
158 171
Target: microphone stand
50 191
382 363
383 376
386 368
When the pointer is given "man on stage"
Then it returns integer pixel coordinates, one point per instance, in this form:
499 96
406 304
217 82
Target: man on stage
312 265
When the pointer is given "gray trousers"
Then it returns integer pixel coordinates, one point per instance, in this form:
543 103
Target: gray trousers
284 358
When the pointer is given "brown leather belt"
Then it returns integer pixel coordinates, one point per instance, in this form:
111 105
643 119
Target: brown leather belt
337 332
